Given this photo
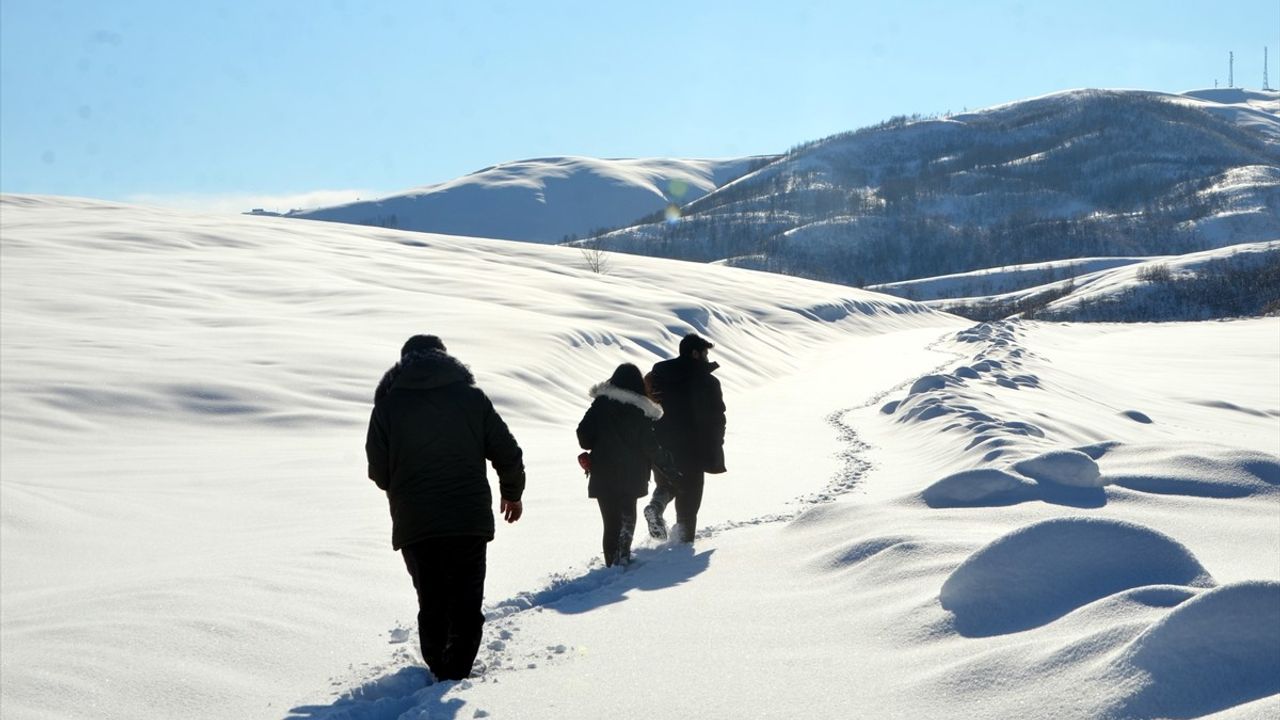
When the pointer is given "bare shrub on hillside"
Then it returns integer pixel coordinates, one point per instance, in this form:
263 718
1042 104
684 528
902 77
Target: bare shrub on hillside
1155 273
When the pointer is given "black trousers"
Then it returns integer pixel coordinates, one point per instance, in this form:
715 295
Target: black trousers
619 515
688 496
448 573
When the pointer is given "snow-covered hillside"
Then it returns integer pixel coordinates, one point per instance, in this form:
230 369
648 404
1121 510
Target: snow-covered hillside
1004 279
185 525
921 518
1078 174
1236 281
543 200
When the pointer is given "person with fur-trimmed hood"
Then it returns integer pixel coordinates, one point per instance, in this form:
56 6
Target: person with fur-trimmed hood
430 433
618 430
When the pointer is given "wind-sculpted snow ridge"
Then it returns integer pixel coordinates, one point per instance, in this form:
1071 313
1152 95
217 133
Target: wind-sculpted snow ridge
1021 463
946 396
114 280
1103 601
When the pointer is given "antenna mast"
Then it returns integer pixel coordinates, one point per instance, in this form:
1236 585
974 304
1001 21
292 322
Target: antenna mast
1231 69
1266 85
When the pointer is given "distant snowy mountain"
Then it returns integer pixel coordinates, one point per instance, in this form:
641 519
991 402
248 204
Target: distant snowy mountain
543 200
1078 174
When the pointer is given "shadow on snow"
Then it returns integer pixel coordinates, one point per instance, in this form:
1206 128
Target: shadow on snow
605 586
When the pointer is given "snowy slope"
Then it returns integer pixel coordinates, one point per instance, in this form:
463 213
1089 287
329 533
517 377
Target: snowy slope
1239 280
185 525
1255 108
542 200
996 281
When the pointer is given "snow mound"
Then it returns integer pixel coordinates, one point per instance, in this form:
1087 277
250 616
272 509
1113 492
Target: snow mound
994 487
1043 571
1199 470
927 383
863 550
1062 467
1213 652
983 486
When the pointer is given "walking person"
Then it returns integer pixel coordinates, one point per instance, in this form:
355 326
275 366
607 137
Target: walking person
692 429
430 433
618 430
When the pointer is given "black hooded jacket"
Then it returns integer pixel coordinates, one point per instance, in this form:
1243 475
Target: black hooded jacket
693 420
430 433
618 430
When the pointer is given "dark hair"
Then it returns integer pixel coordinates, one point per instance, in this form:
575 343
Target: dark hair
420 343
628 377
692 342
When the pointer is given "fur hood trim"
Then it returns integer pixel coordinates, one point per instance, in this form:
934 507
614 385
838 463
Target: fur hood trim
605 390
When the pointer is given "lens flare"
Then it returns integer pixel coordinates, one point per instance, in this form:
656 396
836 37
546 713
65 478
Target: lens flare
677 188
672 213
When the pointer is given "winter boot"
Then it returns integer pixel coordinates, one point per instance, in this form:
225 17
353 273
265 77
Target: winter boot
657 526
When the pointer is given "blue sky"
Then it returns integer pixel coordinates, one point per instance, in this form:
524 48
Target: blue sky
215 104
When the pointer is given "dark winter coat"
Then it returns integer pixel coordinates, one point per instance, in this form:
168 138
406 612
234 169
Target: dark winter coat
693 420
618 430
429 436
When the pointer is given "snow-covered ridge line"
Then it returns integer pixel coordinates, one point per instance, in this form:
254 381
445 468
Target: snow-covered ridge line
543 200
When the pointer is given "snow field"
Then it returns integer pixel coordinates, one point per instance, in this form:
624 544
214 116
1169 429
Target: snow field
185 522
921 518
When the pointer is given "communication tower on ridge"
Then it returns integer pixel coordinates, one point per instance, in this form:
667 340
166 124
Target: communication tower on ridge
1231 69
1266 84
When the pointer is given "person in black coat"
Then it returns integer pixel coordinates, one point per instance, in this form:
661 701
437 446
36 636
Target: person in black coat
692 429
429 435
618 430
